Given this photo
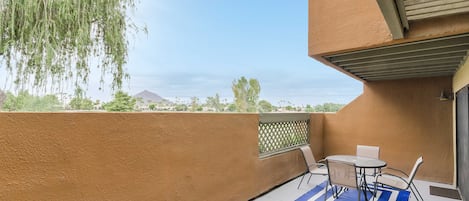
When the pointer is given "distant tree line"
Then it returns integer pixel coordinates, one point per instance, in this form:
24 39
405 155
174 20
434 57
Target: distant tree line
326 107
246 99
24 102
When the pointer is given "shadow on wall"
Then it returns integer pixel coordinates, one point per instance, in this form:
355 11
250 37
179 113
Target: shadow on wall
405 118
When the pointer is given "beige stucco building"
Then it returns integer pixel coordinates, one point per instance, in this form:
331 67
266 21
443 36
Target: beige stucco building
406 61
412 59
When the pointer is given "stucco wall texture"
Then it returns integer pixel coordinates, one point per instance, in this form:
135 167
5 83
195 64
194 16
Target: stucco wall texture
136 156
196 156
406 119
340 26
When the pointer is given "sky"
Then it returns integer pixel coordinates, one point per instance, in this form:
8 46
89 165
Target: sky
198 48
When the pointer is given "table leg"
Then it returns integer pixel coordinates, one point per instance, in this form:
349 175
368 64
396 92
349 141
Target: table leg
364 184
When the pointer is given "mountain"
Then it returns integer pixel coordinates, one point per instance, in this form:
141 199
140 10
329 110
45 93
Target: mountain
150 97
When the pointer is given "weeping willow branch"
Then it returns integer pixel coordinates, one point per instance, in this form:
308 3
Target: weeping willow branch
50 42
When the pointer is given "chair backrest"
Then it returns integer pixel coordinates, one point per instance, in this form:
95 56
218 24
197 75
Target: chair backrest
342 173
309 157
414 169
368 151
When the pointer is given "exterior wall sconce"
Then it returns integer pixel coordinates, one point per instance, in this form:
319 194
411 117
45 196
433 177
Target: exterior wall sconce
445 95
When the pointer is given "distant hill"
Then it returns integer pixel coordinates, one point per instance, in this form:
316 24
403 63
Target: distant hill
150 97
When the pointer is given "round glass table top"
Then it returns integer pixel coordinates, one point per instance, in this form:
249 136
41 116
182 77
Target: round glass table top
359 161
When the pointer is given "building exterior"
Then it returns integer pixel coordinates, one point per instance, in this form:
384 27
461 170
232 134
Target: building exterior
411 56
410 64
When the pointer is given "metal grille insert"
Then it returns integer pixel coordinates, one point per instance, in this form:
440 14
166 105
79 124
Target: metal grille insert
282 132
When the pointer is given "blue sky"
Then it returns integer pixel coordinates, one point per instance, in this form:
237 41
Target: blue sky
197 48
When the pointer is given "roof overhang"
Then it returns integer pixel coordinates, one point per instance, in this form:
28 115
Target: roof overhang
398 13
426 58
395 17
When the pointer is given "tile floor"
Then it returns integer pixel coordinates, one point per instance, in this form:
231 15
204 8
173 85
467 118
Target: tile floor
289 191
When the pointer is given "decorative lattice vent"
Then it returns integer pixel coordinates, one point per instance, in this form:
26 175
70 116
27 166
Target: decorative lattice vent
282 132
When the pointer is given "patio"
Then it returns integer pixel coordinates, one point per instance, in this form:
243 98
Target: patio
408 108
289 191
215 156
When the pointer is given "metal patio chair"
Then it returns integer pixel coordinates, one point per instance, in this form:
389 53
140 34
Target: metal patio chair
370 152
314 168
344 175
399 182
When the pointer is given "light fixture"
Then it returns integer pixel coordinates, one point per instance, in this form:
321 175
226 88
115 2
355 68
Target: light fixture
444 95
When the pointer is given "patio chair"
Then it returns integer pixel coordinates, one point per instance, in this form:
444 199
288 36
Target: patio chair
344 175
399 182
370 152
314 168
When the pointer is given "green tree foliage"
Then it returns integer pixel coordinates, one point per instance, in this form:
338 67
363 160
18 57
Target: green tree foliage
290 108
214 102
26 102
246 94
3 96
80 102
232 107
55 40
309 108
328 107
265 106
122 102
152 106
181 107
195 105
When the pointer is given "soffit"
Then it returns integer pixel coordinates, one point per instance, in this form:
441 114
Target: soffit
427 58
422 9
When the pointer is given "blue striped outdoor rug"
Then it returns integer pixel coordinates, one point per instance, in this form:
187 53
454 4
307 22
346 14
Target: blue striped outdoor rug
384 194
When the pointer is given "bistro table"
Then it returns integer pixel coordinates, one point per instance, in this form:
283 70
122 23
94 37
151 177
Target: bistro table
360 162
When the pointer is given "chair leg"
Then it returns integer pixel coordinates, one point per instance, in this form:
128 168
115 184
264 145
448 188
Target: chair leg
301 181
334 191
417 190
413 193
337 192
375 191
359 193
310 175
325 193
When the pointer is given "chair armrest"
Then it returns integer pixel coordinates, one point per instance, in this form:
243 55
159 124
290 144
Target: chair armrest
392 175
390 170
318 165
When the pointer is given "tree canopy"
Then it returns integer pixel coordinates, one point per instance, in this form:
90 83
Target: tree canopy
246 94
122 102
45 43
3 96
328 107
30 103
265 106
214 102
80 102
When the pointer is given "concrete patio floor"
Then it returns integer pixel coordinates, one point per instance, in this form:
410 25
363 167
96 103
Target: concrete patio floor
289 191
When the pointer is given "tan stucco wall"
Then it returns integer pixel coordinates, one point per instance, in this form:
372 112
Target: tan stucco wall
338 26
136 156
405 118
317 135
